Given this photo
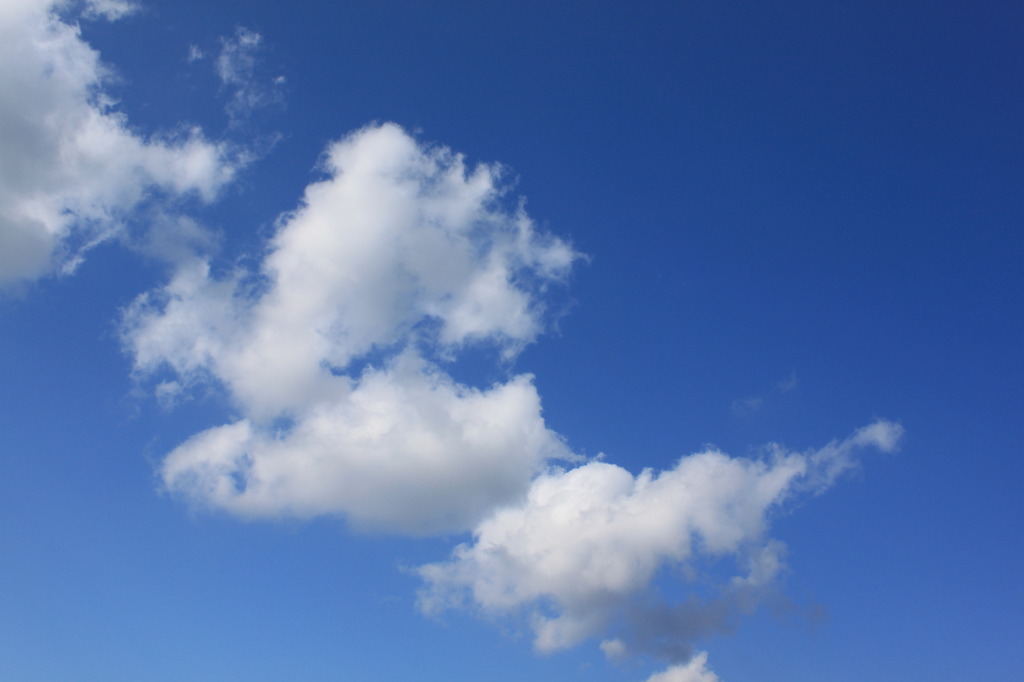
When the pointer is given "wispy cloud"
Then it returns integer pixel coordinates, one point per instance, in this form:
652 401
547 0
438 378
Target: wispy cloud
238 66
743 406
788 384
746 406
110 9
73 169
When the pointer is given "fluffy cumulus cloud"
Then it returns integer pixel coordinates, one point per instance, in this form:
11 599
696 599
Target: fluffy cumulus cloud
334 348
72 168
580 554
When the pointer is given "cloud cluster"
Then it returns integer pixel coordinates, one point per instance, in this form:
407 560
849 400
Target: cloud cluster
72 169
334 349
580 553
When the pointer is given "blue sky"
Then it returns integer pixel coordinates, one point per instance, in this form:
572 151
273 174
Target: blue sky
660 341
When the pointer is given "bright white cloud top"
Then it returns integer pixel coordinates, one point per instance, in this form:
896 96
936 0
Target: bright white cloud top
72 169
403 253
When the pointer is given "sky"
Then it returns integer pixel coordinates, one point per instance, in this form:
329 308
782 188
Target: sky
640 342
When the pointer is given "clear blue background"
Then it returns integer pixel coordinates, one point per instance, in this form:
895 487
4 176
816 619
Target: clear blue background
826 191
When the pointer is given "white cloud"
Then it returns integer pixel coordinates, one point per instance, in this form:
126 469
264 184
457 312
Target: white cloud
72 169
405 448
404 254
694 671
583 548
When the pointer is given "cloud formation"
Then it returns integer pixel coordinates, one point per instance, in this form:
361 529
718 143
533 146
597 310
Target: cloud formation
579 555
72 169
334 349
335 352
